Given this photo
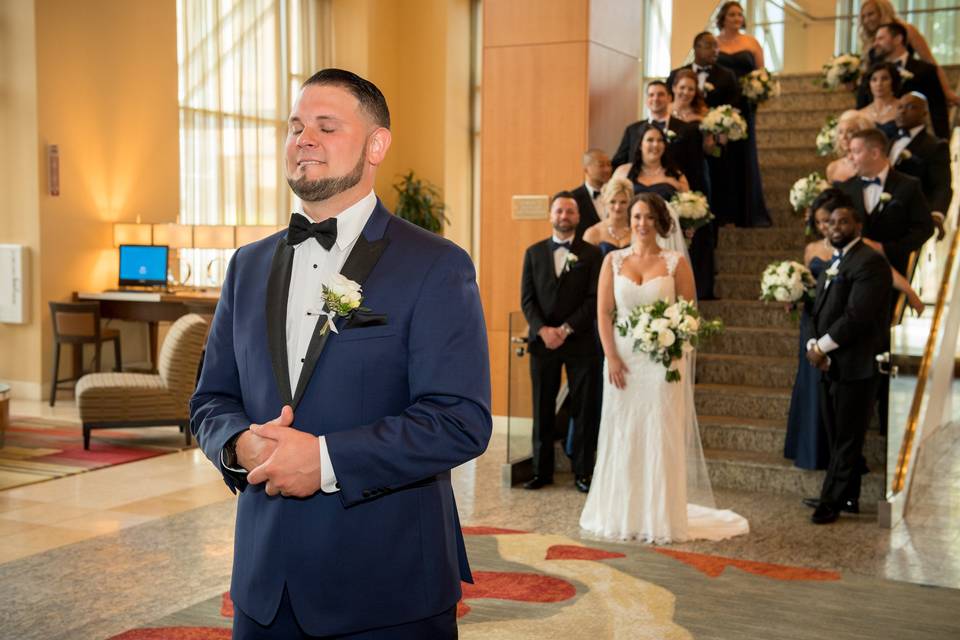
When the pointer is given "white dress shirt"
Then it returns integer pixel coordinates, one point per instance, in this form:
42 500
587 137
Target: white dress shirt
871 193
702 73
902 143
594 194
560 254
826 343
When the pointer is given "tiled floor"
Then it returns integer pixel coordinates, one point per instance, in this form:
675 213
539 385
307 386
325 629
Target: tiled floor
168 521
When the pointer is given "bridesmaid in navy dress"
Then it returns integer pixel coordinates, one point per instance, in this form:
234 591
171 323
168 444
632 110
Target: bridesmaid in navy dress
613 230
652 167
884 82
741 54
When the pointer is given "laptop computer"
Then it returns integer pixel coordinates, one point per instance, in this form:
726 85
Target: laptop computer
143 266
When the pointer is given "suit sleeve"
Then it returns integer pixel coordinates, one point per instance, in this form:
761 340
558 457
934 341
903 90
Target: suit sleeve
919 225
581 320
938 177
528 296
216 408
869 298
622 154
448 421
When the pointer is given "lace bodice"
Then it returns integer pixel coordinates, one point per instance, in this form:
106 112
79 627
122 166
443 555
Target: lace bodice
628 294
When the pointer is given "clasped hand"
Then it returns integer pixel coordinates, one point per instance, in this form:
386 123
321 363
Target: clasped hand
818 360
287 459
553 337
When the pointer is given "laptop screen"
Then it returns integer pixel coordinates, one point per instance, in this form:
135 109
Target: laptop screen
143 265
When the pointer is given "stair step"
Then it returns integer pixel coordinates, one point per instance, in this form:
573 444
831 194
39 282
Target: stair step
749 313
812 98
751 262
740 401
754 341
725 368
771 473
812 118
769 239
798 163
792 138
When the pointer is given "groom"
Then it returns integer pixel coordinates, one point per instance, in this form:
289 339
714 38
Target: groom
340 430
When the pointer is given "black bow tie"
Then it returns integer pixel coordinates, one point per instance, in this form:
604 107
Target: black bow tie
866 182
594 195
300 229
700 69
557 245
659 124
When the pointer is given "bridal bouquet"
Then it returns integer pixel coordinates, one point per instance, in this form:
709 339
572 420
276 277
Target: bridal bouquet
805 190
691 208
667 331
726 123
787 281
759 86
841 70
827 138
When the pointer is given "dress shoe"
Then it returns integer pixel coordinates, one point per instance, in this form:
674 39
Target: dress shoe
824 514
849 506
537 482
582 483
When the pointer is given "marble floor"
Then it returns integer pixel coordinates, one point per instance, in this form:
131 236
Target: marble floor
91 555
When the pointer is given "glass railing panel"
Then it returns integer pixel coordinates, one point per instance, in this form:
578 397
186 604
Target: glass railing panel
519 393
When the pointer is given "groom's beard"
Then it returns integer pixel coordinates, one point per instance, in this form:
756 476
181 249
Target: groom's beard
325 188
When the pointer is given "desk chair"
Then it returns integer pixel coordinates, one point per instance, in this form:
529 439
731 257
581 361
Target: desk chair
77 324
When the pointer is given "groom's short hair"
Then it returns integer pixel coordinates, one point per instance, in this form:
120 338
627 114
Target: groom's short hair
872 137
367 94
700 36
562 194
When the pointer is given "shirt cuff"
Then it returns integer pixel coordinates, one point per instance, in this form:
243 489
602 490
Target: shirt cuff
939 216
328 478
223 463
827 344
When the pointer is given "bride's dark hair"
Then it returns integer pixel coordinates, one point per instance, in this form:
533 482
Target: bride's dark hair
662 219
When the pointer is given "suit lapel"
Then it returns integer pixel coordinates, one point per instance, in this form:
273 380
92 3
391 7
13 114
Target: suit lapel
278 287
363 258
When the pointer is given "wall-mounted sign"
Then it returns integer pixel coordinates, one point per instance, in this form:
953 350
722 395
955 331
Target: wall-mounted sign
531 207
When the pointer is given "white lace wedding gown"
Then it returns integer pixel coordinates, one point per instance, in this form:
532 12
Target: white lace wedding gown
650 481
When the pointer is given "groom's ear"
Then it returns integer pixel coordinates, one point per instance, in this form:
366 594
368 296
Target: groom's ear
378 143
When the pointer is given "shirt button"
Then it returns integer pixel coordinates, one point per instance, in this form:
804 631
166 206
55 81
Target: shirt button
302 359
314 266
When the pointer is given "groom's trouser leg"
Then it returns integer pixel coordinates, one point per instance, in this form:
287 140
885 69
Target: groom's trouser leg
582 378
545 372
846 408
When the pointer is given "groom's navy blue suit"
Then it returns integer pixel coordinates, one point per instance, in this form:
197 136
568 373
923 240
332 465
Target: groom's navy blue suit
402 394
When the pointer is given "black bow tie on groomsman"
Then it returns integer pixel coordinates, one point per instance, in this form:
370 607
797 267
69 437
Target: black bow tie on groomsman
556 245
594 194
866 182
302 229
700 69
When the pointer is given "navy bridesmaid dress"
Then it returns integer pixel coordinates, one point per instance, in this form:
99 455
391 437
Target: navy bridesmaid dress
806 441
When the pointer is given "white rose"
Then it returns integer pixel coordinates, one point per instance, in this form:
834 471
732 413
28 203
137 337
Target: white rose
672 312
660 324
666 338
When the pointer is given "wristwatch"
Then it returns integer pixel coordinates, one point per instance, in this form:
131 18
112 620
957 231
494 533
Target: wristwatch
566 328
229 455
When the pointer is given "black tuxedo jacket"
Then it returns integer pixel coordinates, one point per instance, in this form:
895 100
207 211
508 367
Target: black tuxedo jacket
686 146
925 81
854 310
902 224
929 162
549 301
726 87
588 212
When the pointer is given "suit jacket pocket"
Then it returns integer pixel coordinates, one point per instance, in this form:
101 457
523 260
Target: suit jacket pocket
360 320
366 332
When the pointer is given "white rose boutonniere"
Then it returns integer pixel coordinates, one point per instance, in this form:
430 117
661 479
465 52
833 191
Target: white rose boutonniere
904 155
569 261
670 135
708 87
833 270
905 75
885 198
341 298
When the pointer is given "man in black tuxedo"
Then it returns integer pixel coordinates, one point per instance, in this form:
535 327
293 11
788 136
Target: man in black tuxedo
718 85
596 172
890 45
896 215
850 319
559 300
917 153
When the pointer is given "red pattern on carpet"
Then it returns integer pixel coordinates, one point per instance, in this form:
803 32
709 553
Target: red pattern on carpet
574 552
519 587
175 633
713 566
226 605
488 531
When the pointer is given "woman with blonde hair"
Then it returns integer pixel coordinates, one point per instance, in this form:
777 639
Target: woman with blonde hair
873 14
613 230
842 168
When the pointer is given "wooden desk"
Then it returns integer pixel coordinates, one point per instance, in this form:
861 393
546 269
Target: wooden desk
152 308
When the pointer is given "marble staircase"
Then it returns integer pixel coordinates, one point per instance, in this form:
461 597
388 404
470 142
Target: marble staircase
745 375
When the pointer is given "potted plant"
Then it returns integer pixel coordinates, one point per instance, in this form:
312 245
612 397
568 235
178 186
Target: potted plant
418 201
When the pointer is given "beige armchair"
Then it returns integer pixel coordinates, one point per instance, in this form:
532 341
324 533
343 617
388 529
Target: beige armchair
124 400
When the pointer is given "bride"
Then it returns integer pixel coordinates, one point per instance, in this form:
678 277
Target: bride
650 482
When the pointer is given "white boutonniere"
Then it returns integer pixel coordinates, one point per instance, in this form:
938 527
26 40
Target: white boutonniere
569 261
833 270
904 155
904 74
341 298
885 198
670 135
708 87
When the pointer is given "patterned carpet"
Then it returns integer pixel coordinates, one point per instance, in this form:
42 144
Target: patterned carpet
36 450
542 586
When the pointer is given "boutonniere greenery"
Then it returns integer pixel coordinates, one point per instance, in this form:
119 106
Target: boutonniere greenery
341 298
905 75
569 261
708 87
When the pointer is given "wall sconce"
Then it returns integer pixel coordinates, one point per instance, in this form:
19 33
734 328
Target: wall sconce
208 236
132 233
245 234
175 236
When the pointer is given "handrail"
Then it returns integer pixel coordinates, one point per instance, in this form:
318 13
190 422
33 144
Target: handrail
901 304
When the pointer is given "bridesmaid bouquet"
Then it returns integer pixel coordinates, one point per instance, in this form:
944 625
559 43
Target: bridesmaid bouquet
726 123
692 209
841 70
759 86
805 190
667 331
789 282
827 138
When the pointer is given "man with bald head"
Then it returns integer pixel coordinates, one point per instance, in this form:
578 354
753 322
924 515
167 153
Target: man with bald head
917 153
596 171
